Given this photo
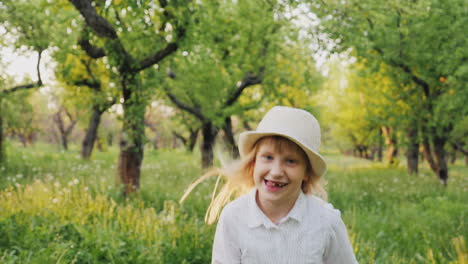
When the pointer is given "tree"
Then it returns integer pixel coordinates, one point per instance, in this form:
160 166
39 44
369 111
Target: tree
87 82
28 27
211 75
421 41
5 92
64 127
134 36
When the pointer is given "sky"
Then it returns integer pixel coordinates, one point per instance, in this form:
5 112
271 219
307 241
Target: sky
20 65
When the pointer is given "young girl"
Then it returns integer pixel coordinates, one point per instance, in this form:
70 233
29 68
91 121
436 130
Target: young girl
277 219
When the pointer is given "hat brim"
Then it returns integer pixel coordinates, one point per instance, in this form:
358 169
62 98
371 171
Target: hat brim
248 139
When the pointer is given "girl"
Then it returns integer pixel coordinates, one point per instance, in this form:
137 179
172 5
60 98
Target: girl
276 219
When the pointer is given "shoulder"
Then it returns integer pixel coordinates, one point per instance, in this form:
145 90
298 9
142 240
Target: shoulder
327 213
233 211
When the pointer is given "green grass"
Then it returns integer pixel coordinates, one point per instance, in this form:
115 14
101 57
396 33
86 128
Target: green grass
57 208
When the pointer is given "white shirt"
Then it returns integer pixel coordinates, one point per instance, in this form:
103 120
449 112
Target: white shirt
312 232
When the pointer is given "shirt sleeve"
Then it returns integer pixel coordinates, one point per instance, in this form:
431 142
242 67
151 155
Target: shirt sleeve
338 249
225 247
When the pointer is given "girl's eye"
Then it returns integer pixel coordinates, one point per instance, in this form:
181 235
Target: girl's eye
268 157
291 161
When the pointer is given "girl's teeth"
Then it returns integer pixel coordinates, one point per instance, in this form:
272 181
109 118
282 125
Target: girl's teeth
276 184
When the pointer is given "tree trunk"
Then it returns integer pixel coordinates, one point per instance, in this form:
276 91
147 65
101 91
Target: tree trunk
109 139
2 148
99 144
391 143
380 147
428 154
453 157
64 131
22 139
231 143
412 153
64 139
439 151
209 135
155 139
133 133
192 139
91 133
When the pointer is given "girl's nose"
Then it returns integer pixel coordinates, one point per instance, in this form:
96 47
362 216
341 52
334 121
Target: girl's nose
277 169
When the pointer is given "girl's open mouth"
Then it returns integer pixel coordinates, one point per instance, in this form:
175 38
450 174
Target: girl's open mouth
273 185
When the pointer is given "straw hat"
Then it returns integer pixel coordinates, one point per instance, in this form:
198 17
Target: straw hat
295 124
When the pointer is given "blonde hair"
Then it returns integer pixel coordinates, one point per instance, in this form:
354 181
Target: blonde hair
239 177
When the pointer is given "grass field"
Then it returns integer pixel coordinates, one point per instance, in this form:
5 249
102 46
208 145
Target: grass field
57 208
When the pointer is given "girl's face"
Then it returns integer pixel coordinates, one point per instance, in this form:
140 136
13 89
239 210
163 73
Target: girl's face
279 170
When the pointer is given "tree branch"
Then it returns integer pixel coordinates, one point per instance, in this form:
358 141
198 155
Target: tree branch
460 148
249 80
99 24
157 57
401 65
39 56
92 51
179 136
91 84
31 85
194 111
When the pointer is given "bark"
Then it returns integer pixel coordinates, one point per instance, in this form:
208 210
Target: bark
193 139
209 135
428 154
229 136
133 133
362 151
99 143
189 142
23 139
412 153
64 130
391 143
453 157
439 151
380 147
180 137
91 133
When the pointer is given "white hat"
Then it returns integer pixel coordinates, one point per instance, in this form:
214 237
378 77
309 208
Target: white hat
295 124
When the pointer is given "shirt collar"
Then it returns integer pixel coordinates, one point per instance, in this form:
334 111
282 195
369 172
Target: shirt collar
256 217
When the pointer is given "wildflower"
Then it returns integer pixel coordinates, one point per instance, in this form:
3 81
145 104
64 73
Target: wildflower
76 181
55 200
19 176
49 176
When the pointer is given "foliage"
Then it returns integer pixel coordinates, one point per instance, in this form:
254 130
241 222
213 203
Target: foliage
214 61
368 100
422 42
